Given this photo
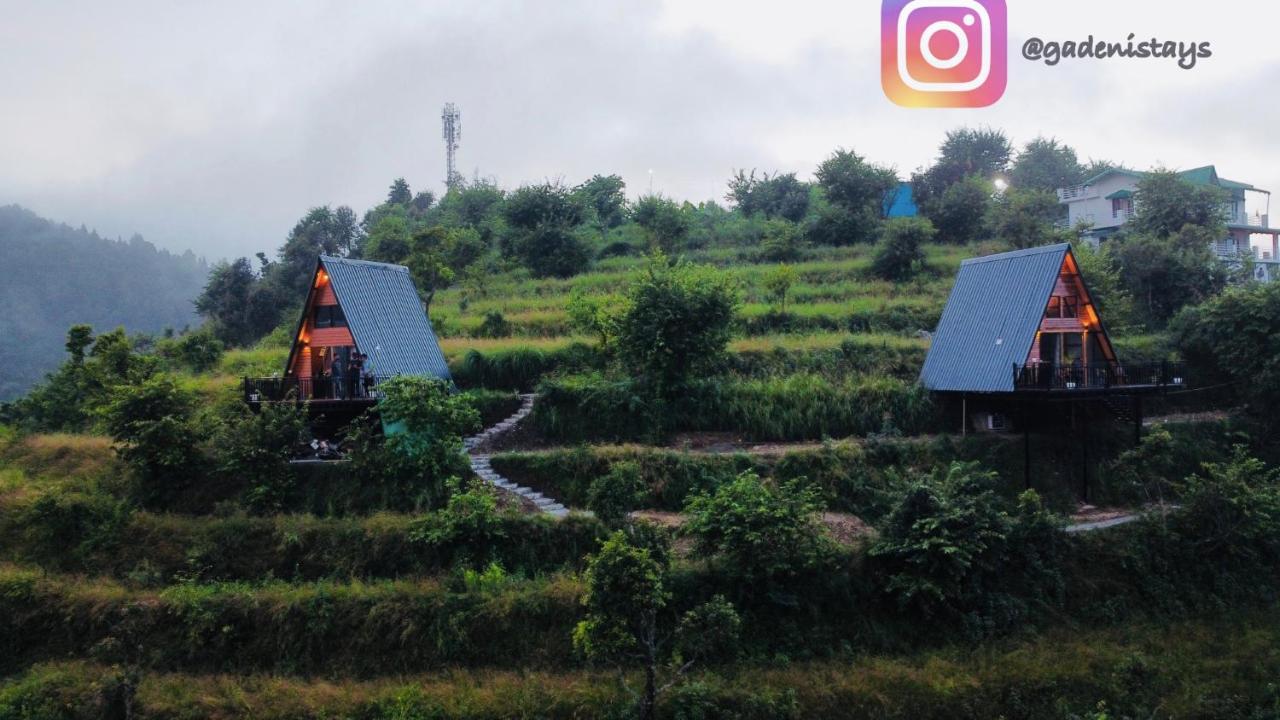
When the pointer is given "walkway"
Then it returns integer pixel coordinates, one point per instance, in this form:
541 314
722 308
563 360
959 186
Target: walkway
480 462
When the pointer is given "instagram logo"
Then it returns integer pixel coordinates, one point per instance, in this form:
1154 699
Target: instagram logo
944 53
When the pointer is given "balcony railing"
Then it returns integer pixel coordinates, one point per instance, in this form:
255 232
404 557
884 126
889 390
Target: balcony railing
1097 376
303 389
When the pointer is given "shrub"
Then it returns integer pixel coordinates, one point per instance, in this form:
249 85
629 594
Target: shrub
899 254
493 326
612 496
763 532
255 449
467 528
152 426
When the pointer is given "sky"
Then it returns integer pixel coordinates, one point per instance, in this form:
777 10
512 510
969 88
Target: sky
215 126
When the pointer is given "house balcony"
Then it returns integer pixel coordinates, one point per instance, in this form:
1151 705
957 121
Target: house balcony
1241 218
1098 378
320 391
1076 192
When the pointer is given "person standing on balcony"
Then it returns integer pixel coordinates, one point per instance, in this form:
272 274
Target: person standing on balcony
353 375
335 373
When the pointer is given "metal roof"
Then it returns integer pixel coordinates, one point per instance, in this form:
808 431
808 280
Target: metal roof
386 318
990 320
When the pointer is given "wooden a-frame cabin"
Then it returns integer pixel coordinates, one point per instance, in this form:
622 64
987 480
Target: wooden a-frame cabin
362 322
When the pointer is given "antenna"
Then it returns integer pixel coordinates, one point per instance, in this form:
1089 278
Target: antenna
451 120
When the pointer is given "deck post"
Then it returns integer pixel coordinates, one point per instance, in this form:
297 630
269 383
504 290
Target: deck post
1084 462
1137 420
964 415
1026 447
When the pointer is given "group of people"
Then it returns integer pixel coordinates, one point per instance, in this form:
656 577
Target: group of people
355 380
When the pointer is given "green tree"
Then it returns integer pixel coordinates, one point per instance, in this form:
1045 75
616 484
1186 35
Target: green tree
399 193
239 305
780 242
854 193
772 196
1164 274
900 253
965 153
676 322
321 231
594 314
254 450
1025 218
1045 164
79 338
778 282
605 196
151 424
542 220
766 533
1166 203
1106 287
959 212
1235 338
615 494
388 240
664 222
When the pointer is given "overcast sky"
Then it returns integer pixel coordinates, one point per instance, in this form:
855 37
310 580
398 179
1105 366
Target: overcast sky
214 126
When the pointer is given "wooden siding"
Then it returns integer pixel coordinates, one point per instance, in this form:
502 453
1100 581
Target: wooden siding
326 295
331 337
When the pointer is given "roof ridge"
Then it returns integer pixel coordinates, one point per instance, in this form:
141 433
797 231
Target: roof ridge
370 263
1056 247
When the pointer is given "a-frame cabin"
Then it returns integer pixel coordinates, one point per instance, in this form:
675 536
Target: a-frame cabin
362 322
1023 324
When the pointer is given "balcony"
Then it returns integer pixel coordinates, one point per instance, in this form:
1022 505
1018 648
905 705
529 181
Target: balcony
1241 217
1076 192
1098 377
314 390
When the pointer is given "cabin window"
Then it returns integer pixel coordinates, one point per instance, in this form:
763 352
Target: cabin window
1062 307
329 316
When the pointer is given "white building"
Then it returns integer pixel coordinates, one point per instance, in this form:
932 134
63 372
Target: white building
1107 201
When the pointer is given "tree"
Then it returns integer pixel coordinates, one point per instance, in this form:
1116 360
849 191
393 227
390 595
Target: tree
321 231
399 193
542 221
255 449
1166 203
240 306
854 194
1046 164
626 590
663 221
1106 286
79 338
388 239
676 322
1163 274
605 196
960 212
900 253
615 494
964 153
595 315
1235 338
773 196
766 533
151 424
780 242
778 282
1025 218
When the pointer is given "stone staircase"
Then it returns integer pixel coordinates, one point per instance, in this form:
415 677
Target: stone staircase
480 462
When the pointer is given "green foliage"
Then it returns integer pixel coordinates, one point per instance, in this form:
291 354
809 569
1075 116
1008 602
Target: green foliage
1164 274
624 591
765 533
239 305
1044 164
1167 202
1235 337
605 196
410 465
542 221
711 632
1107 289
255 449
854 193
615 494
965 153
948 552
773 196
399 193
468 528
900 253
494 326
778 284
676 323
959 211
152 426
780 241
663 221
199 351
1025 218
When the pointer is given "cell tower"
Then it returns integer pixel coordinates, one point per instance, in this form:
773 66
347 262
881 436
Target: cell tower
451 119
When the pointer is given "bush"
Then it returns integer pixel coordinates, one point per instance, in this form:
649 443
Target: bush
765 533
152 426
899 254
613 495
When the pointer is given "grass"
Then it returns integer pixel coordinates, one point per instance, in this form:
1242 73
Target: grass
1218 667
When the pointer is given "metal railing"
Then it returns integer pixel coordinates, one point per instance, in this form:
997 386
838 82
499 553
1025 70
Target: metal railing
302 389
1097 376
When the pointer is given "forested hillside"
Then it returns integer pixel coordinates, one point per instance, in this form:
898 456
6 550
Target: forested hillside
55 276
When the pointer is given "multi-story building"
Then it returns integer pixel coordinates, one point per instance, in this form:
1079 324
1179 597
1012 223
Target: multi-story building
1107 201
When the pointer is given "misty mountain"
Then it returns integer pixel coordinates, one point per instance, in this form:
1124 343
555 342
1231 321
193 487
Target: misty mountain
53 276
